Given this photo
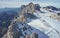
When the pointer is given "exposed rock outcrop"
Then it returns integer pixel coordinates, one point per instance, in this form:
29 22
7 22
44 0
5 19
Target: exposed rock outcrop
12 31
33 35
27 9
30 8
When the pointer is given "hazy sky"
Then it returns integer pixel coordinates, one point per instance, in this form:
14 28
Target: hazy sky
17 3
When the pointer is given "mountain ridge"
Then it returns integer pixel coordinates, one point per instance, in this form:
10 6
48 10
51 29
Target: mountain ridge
19 27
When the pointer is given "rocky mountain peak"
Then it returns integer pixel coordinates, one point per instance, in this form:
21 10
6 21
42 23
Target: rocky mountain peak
30 9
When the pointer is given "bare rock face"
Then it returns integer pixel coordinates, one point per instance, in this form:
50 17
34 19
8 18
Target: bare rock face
33 35
12 32
21 18
30 8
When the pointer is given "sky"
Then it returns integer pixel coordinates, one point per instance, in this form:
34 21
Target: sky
18 3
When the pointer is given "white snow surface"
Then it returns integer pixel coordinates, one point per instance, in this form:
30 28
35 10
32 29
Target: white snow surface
46 24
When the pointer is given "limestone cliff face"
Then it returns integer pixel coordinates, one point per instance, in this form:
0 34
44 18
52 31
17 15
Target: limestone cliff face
30 8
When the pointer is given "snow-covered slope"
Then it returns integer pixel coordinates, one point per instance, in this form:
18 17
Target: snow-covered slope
46 24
